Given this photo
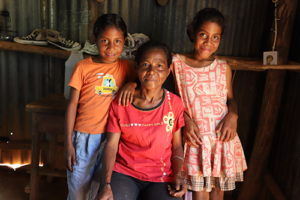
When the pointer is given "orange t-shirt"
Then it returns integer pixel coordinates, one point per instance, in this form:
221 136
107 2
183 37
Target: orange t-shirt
98 84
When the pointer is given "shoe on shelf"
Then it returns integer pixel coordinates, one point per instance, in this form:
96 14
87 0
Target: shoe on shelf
37 37
129 43
54 38
128 53
90 48
139 39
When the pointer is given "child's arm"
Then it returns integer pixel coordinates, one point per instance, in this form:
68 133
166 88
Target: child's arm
191 132
109 157
228 124
126 93
178 187
69 155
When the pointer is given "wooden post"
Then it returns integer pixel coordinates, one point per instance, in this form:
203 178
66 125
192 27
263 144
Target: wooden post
270 105
34 177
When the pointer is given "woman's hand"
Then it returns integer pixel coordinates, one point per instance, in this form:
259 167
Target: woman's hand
178 187
191 132
227 127
70 157
105 193
126 94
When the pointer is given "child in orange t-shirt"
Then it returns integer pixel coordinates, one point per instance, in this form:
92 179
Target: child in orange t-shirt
94 82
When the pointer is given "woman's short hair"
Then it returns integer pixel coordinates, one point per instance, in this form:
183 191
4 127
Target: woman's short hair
153 44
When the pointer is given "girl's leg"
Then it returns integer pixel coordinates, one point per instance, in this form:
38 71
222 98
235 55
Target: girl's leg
216 194
200 195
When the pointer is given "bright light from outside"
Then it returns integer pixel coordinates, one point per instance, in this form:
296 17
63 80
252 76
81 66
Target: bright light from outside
15 166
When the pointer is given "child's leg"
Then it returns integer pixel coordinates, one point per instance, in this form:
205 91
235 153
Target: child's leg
87 148
216 194
200 195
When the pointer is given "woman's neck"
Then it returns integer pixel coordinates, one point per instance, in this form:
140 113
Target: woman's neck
147 99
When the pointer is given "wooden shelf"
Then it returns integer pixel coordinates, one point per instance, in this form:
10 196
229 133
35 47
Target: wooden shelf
236 63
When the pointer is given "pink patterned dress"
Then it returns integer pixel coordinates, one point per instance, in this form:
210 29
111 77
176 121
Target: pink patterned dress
204 94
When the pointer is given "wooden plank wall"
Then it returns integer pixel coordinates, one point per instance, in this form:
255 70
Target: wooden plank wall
284 163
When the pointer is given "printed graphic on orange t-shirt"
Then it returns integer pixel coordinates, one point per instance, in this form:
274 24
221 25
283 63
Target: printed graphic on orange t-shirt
99 84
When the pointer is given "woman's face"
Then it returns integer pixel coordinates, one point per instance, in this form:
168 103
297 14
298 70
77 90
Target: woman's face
153 69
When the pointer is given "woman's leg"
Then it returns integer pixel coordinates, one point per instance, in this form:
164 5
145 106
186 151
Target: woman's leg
155 191
200 195
124 187
216 194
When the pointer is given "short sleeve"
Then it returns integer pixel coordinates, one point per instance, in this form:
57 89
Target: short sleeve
76 80
113 125
179 119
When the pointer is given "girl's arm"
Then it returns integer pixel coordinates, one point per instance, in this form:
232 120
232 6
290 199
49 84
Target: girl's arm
69 155
109 157
191 131
228 124
178 187
126 93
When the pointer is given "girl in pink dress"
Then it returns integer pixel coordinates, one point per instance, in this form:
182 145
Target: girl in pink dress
214 157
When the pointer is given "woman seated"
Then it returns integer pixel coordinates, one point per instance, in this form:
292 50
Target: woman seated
143 155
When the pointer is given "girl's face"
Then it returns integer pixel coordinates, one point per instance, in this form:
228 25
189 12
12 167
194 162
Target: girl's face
110 44
207 39
153 69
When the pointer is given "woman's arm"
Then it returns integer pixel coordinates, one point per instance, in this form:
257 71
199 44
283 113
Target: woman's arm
228 124
69 154
178 187
109 157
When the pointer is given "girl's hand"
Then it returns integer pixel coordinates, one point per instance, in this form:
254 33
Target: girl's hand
227 127
178 188
70 157
105 193
126 93
191 132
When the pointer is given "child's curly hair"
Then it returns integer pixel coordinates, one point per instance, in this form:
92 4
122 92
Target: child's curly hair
203 16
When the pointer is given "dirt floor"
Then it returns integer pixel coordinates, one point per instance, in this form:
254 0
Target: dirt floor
12 186
13 183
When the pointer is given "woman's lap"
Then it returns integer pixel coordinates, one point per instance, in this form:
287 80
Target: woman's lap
128 188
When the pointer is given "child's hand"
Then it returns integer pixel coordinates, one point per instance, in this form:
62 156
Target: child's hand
126 93
178 187
228 126
191 132
70 157
105 193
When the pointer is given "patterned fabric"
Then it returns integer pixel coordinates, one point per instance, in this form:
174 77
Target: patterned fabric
200 183
204 94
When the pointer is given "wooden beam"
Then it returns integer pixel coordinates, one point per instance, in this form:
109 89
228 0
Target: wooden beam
270 106
273 187
236 63
48 172
27 145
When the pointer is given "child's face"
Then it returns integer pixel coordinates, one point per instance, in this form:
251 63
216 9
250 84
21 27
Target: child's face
207 39
110 44
153 69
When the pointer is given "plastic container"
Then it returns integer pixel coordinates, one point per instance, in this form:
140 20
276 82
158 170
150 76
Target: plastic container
75 57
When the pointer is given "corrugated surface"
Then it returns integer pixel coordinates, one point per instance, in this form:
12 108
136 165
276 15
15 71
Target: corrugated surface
284 162
27 77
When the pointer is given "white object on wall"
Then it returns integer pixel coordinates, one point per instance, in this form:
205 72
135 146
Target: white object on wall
75 57
270 58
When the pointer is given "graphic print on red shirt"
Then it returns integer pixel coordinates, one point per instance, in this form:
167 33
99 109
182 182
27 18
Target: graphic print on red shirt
145 146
